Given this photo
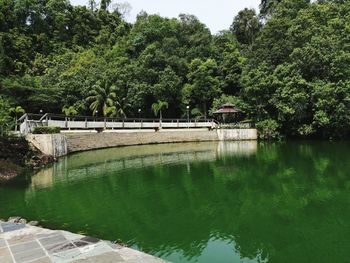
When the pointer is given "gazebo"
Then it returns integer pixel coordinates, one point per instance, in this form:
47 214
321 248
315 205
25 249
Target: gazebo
228 113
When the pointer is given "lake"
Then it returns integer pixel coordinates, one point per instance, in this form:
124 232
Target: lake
199 202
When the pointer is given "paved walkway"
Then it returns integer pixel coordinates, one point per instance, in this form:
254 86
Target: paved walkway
20 243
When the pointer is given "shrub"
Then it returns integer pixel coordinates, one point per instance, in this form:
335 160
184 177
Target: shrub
46 130
5 119
268 130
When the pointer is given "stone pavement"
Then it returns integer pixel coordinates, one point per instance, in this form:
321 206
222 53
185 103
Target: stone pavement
21 243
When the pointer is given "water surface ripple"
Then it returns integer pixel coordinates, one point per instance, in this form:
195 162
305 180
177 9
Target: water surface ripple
200 202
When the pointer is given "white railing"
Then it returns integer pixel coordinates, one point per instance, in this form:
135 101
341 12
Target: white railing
29 121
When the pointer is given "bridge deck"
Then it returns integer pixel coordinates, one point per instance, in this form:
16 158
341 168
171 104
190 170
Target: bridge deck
29 121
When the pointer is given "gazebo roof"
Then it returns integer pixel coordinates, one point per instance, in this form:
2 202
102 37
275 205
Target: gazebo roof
227 108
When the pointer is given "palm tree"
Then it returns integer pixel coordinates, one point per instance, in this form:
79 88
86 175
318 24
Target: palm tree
158 106
118 110
16 111
101 97
69 111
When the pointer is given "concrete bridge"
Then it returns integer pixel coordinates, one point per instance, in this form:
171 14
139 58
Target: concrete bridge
28 122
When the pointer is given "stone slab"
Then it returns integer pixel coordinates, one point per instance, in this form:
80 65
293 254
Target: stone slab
66 256
109 257
20 239
12 227
60 247
42 260
20 248
2 243
29 255
5 255
55 239
31 244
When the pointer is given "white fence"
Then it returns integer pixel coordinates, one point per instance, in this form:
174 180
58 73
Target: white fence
29 121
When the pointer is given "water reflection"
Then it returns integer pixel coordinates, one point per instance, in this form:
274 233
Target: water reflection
96 163
202 202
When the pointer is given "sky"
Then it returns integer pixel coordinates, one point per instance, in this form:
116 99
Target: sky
216 14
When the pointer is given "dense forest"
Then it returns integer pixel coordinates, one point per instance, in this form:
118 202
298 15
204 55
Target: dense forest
287 65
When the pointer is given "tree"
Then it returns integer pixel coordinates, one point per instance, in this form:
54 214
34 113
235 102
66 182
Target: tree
92 5
104 4
268 6
230 62
158 106
289 64
203 84
268 129
246 26
101 98
69 111
15 111
297 74
119 108
5 118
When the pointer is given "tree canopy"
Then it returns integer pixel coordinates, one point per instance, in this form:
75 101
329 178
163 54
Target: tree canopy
286 65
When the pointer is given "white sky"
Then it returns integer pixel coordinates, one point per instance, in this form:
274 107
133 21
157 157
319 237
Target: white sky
216 14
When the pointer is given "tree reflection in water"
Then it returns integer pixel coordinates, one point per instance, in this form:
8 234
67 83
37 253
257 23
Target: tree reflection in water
285 202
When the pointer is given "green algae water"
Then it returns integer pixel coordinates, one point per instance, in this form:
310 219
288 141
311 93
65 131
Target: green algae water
200 202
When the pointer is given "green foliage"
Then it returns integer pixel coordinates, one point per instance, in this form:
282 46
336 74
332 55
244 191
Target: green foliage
119 109
298 74
102 98
268 129
16 110
46 130
5 118
230 62
203 84
196 113
246 26
289 63
158 106
69 111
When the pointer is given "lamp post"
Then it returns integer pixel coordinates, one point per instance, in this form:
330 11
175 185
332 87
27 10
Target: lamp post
41 111
139 111
188 116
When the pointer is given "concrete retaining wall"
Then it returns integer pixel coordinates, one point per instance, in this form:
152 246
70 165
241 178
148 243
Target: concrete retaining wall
59 145
83 142
50 144
237 134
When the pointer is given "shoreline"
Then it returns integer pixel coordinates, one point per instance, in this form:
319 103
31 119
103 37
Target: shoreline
24 243
62 144
38 150
18 155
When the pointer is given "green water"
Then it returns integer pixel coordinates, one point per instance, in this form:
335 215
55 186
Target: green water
204 202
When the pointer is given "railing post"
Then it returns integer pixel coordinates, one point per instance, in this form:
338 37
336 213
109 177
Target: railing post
26 129
66 122
86 123
105 125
